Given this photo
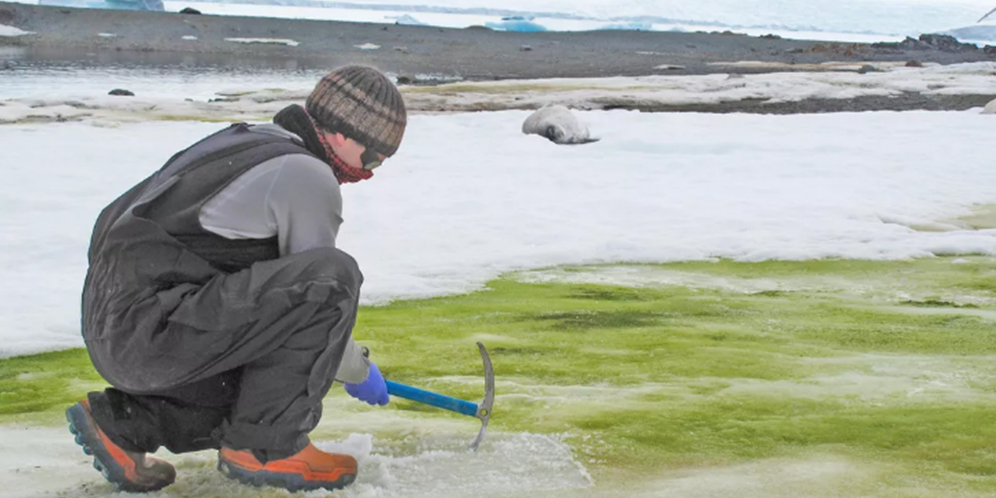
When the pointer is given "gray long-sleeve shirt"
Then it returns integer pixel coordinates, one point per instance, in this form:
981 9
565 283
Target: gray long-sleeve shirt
294 197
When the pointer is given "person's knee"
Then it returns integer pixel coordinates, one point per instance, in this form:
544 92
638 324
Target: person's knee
327 263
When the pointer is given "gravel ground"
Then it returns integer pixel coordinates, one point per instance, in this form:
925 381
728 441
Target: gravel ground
471 54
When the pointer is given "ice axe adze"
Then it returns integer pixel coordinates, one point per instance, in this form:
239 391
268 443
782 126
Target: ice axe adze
481 411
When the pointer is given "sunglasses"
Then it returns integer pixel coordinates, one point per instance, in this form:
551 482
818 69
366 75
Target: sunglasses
370 159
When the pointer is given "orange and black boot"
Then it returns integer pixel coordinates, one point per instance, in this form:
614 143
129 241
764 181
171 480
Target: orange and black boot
130 471
307 470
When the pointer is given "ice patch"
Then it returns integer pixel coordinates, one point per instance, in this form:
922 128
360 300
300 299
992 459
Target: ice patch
518 464
874 378
29 456
107 35
859 378
12 31
277 41
17 112
922 224
646 276
188 37
984 314
367 46
807 476
650 276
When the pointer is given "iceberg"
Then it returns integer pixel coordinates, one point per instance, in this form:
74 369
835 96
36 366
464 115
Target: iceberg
980 33
407 20
519 25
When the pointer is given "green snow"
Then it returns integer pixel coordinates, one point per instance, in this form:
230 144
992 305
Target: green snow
884 371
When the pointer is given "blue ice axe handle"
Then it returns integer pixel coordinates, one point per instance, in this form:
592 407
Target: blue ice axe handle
482 411
431 398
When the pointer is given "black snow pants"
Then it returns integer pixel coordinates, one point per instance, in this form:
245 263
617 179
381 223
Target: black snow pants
246 367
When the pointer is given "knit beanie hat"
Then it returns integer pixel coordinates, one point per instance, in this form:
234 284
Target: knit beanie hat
362 104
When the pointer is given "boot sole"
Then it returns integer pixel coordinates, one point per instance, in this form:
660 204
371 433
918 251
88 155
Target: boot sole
279 480
85 435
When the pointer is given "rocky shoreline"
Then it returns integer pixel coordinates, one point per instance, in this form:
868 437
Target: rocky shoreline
421 54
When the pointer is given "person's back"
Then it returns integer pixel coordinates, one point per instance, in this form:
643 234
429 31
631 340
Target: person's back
217 305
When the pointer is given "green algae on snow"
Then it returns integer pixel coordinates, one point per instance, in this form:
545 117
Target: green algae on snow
695 365
44 382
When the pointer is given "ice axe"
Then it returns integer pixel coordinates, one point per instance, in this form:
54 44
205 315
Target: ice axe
481 411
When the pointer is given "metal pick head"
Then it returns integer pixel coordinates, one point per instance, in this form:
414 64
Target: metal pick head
484 409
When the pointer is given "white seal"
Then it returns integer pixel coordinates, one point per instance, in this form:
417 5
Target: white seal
990 108
558 124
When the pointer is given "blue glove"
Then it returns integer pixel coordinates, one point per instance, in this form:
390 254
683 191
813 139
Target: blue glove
373 390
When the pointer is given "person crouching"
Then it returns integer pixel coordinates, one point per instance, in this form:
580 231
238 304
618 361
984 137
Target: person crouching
217 305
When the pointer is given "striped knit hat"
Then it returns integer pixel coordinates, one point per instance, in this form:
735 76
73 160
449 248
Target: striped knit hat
362 104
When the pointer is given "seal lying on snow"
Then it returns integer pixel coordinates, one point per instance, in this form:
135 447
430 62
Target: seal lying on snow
990 107
557 123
